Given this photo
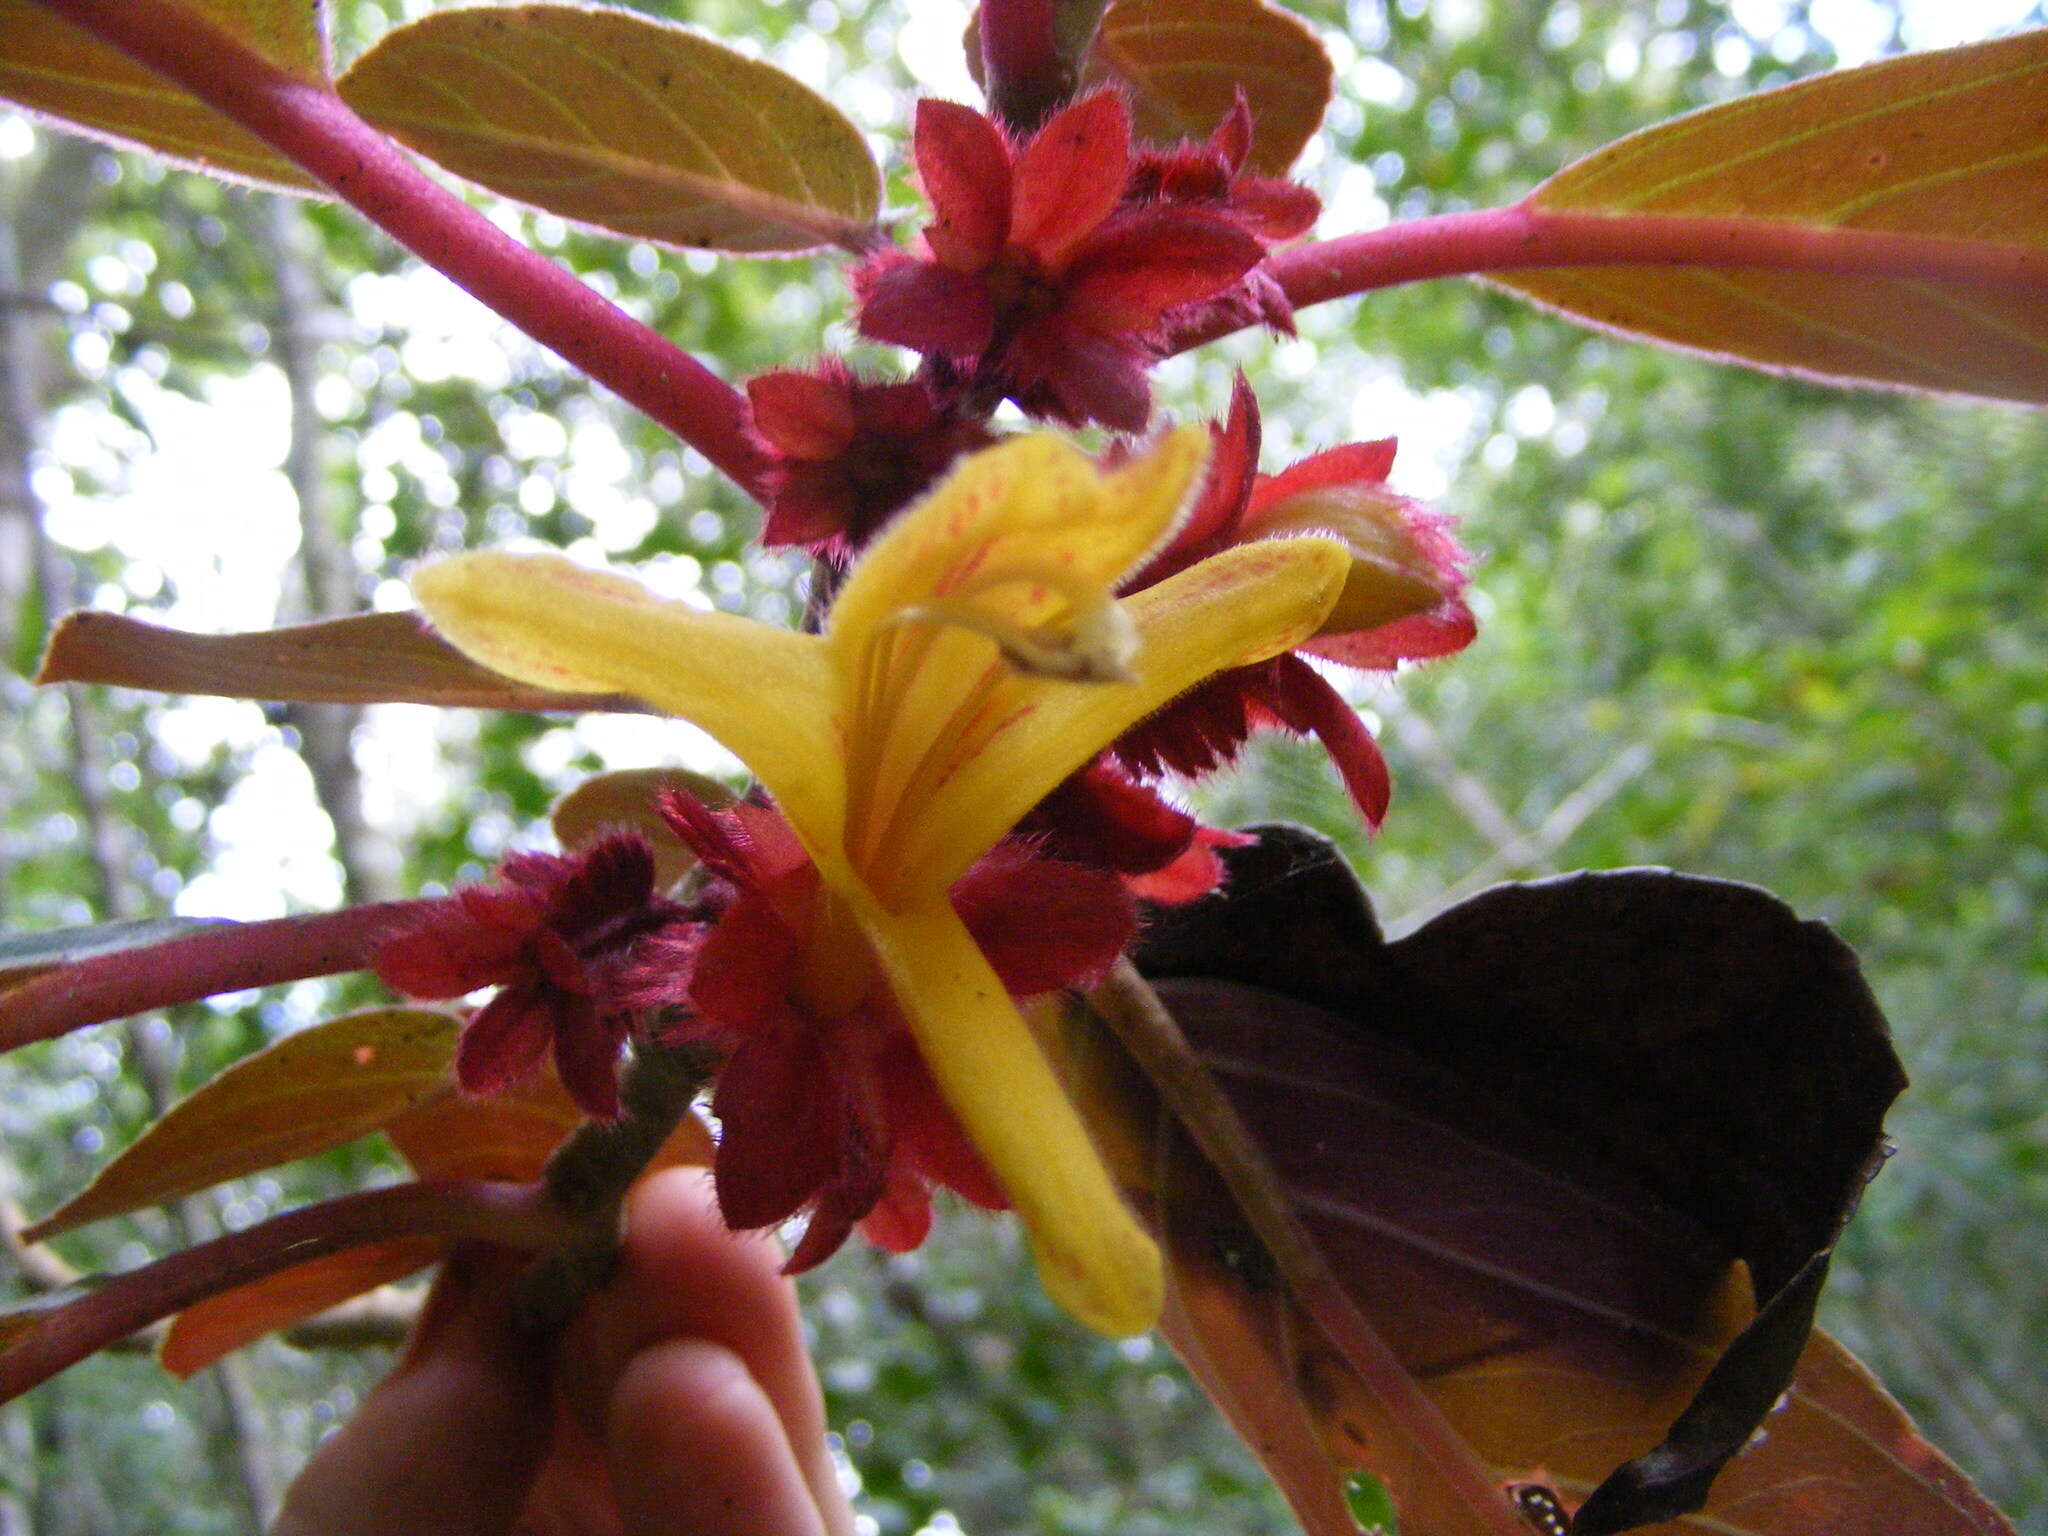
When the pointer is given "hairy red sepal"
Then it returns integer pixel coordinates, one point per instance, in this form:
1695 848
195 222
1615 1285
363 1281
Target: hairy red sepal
1070 177
555 935
963 162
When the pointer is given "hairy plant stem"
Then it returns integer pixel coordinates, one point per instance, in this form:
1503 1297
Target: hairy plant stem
511 1215
314 128
588 1176
230 958
1522 238
1020 58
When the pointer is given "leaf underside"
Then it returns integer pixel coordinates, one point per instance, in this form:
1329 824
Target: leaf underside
53 68
1182 63
1550 1146
1928 147
370 658
298 1096
630 125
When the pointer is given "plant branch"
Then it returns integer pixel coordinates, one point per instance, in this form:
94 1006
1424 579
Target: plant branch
314 128
589 1174
1026 76
1143 1026
1521 238
513 1215
230 958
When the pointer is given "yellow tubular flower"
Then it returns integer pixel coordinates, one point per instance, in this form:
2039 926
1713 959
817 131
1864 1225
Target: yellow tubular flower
976 656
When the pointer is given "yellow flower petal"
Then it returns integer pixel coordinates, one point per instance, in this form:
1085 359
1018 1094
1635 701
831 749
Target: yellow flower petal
1012 561
766 693
1093 1258
1390 577
1244 605
1029 504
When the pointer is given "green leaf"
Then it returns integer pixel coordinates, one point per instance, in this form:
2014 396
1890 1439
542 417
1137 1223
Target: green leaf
1946 153
54 68
23 955
636 127
302 1095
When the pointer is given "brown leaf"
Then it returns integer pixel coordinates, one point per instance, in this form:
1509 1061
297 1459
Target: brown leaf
219 1325
301 1095
1524 1164
1945 151
622 122
52 67
626 798
1184 61
369 658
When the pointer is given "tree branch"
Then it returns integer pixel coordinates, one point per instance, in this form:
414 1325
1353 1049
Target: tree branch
326 566
315 129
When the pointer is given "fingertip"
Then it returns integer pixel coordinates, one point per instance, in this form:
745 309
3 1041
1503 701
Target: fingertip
685 1275
696 1447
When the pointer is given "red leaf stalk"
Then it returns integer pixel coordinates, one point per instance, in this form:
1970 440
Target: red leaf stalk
515 1215
314 128
230 958
1522 237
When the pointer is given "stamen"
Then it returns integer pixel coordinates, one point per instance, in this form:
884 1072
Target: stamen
1096 644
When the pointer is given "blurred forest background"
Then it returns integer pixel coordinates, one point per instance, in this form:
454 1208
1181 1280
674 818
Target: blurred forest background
1735 625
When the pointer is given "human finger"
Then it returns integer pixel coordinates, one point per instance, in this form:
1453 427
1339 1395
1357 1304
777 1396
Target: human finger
697 1448
685 1275
449 1442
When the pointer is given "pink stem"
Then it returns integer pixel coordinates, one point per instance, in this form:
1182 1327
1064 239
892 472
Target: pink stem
314 128
231 958
1521 238
1025 75
514 1215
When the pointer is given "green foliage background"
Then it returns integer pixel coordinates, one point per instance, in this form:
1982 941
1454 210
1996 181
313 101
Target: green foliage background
1736 625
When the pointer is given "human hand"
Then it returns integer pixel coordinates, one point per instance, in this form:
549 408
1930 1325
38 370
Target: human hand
680 1402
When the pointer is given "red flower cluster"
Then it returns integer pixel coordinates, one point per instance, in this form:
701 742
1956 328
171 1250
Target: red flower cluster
823 1100
846 454
1415 610
554 936
1053 272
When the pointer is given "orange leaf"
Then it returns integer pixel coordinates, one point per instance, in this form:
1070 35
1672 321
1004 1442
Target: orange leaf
221 1324
1184 61
626 798
511 1134
1945 152
507 1136
52 67
301 1095
370 658
631 125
